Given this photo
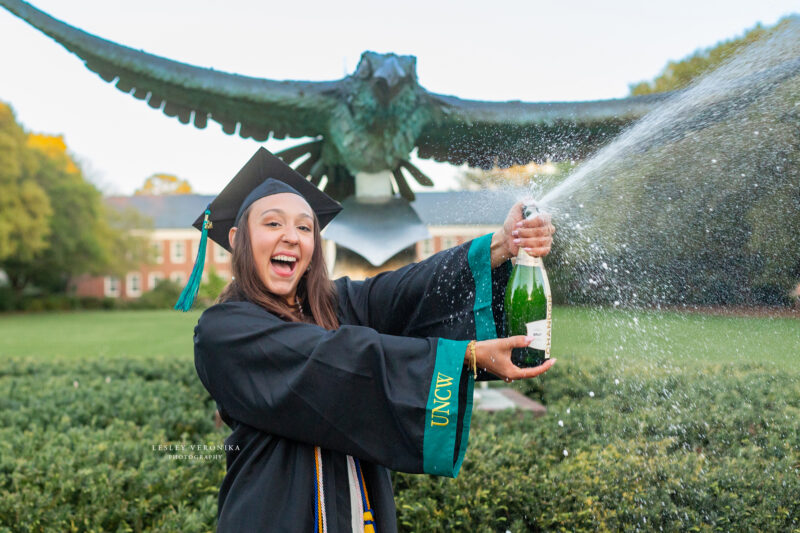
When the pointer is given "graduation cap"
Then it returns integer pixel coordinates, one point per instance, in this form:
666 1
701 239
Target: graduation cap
263 175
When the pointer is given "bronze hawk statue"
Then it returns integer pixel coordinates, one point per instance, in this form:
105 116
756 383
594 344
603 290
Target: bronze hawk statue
364 126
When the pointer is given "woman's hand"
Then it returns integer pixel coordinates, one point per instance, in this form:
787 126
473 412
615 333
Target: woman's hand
495 356
534 235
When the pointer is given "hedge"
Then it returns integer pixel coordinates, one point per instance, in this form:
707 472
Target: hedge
712 449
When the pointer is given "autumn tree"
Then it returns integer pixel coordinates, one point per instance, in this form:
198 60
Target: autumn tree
53 223
164 184
25 209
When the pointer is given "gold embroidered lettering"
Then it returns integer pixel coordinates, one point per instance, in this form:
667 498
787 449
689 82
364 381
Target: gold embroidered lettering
440 414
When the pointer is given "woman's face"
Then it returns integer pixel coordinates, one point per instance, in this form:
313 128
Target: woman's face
282 237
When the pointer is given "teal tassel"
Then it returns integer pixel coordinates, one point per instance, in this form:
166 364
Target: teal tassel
189 293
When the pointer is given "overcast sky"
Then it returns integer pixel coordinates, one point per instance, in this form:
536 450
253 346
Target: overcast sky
534 51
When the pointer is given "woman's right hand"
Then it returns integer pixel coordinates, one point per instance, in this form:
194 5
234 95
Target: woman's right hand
495 356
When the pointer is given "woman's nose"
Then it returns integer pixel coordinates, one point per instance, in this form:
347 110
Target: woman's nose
291 235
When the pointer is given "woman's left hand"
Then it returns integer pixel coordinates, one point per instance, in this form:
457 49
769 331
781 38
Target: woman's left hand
535 235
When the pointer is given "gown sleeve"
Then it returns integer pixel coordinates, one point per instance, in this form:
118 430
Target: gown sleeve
397 401
454 294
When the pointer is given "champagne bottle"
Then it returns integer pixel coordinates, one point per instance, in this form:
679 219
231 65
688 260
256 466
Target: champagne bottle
528 305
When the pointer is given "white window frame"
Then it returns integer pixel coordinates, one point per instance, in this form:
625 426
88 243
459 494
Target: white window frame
221 255
158 248
426 248
176 248
152 280
133 284
178 277
449 241
111 288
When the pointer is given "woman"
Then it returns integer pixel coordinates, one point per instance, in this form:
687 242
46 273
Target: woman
327 385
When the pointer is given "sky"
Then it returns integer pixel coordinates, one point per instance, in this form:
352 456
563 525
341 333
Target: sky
535 50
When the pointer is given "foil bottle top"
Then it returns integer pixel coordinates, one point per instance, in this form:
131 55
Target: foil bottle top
530 208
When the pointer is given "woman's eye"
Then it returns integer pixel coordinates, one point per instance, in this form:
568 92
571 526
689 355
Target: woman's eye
304 228
272 224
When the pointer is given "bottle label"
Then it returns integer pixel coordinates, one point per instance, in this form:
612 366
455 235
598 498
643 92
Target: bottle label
539 331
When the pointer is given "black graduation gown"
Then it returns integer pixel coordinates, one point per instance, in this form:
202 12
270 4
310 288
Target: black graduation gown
388 387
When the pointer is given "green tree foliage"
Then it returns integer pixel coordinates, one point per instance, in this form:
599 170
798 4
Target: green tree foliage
709 215
25 208
53 224
679 74
700 202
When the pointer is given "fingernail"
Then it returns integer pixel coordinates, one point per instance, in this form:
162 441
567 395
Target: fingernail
528 339
517 241
519 224
515 233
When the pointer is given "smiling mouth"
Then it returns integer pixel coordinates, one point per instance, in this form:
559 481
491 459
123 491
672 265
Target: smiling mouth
283 265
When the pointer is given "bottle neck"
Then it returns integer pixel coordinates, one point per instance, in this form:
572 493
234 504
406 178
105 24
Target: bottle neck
525 259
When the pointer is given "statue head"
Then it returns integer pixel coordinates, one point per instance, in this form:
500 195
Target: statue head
386 73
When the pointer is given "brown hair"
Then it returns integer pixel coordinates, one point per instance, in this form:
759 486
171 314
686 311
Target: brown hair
315 290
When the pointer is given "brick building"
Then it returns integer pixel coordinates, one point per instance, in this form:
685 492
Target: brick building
451 217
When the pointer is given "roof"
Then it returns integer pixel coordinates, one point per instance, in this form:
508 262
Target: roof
447 208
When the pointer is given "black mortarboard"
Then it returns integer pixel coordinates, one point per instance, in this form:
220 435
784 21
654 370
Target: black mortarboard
264 175
250 184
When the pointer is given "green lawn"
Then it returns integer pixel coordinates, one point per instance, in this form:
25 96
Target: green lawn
98 334
579 333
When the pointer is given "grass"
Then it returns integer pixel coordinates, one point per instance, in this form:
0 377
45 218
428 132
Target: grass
98 334
619 336
683 339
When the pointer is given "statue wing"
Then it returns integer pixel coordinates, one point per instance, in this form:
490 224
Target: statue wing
257 107
487 134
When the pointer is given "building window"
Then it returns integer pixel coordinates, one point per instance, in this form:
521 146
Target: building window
158 251
178 277
178 252
111 286
152 280
221 255
449 242
426 248
133 285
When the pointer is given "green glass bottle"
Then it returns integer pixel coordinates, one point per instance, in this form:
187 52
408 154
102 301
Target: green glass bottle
528 306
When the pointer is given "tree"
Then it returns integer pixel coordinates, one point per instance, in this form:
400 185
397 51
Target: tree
541 176
25 209
164 184
53 223
679 74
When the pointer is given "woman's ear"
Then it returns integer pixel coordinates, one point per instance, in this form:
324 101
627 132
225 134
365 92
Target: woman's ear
231 236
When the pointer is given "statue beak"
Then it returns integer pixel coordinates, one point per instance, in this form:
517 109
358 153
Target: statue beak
390 72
